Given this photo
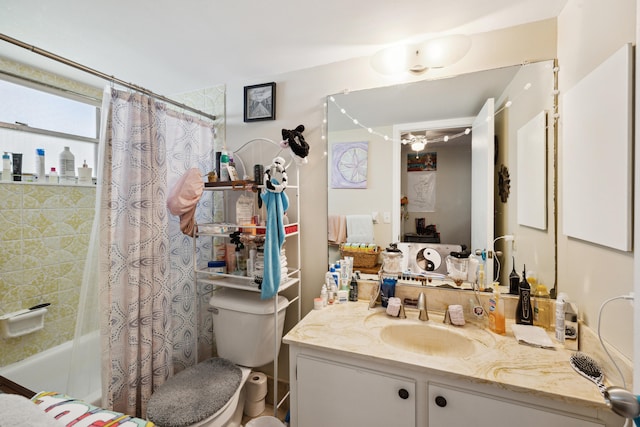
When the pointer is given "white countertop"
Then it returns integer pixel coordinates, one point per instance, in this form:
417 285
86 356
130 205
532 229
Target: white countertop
352 329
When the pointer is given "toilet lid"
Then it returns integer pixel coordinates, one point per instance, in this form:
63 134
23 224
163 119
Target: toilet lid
194 394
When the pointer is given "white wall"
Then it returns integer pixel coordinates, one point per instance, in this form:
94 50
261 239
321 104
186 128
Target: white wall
588 33
301 100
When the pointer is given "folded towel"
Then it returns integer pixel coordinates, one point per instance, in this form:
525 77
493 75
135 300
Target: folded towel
532 335
184 197
337 229
20 411
360 228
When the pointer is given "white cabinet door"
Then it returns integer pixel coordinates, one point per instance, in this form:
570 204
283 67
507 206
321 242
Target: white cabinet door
451 407
332 394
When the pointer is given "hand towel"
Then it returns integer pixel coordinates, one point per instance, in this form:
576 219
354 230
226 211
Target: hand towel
276 204
184 197
360 229
337 229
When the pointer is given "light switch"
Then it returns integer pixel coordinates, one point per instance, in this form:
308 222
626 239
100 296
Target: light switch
387 217
375 216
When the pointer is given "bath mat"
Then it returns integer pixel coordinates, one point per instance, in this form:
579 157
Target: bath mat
194 394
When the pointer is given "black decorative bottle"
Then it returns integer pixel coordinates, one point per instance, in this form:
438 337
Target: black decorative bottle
524 312
514 280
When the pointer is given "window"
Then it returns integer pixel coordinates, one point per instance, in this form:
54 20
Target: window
33 117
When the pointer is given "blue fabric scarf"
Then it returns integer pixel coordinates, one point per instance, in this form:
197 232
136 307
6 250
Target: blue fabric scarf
276 205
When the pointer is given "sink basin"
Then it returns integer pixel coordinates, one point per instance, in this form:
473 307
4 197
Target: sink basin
429 339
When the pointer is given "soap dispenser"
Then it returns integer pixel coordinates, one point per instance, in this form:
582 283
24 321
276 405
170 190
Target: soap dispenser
524 314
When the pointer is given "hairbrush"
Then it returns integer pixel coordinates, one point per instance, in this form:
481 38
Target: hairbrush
588 368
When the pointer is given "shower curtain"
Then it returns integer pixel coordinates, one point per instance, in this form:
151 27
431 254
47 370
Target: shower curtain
139 265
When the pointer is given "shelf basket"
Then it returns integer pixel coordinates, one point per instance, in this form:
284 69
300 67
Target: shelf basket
362 259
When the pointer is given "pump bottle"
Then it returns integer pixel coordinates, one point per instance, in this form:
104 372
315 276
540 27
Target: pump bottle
496 312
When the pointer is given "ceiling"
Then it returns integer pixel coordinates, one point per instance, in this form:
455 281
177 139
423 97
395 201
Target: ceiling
172 47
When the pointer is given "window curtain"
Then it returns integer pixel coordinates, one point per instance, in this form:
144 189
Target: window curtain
139 272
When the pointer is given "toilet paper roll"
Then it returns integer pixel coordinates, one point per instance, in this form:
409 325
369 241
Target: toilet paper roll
256 387
253 409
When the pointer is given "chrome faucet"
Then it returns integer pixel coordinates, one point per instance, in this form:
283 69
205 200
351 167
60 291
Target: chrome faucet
422 307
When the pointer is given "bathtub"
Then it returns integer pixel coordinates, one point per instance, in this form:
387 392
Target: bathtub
49 370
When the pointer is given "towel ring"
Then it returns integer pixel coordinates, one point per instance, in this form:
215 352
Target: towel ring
277 166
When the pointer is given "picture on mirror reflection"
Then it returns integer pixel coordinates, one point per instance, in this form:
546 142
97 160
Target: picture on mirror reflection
422 162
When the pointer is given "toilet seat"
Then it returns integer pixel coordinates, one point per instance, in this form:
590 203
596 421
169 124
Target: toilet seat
188 398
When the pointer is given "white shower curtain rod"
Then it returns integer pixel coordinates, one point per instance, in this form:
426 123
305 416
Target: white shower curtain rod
104 76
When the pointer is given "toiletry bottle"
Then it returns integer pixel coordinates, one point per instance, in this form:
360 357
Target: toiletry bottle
40 175
328 279
6 167
496 312
67 167
53 176
481 280
324 295
514 280
560 302
541 307
353 289
224 162
335 276
524 314
16 164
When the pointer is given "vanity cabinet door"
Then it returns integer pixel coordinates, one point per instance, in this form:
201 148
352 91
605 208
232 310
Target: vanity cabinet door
454 407
333 394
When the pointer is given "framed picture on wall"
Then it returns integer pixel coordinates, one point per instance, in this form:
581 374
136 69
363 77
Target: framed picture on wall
260 102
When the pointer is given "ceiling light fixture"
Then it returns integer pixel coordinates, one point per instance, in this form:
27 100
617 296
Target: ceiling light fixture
418 58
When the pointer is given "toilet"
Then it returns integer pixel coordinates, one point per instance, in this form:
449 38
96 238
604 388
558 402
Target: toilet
245 332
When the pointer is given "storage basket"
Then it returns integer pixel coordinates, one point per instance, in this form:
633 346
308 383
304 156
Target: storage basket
362 258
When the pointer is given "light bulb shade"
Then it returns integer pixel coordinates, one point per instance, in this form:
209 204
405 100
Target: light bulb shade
417 146
444 51
393 60
418 58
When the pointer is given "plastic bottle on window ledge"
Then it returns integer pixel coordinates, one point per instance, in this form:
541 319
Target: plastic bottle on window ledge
53 176
67 167
6 167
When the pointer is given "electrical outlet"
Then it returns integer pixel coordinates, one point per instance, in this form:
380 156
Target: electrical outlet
375 216
386 217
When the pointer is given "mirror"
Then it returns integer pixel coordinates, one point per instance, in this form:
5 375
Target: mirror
364 130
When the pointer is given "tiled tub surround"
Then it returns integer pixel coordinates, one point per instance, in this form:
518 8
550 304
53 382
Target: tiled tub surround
44 235
352 331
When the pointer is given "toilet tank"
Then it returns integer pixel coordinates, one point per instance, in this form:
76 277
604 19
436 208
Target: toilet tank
244 326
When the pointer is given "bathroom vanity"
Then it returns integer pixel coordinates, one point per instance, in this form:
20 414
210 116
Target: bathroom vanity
354 366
